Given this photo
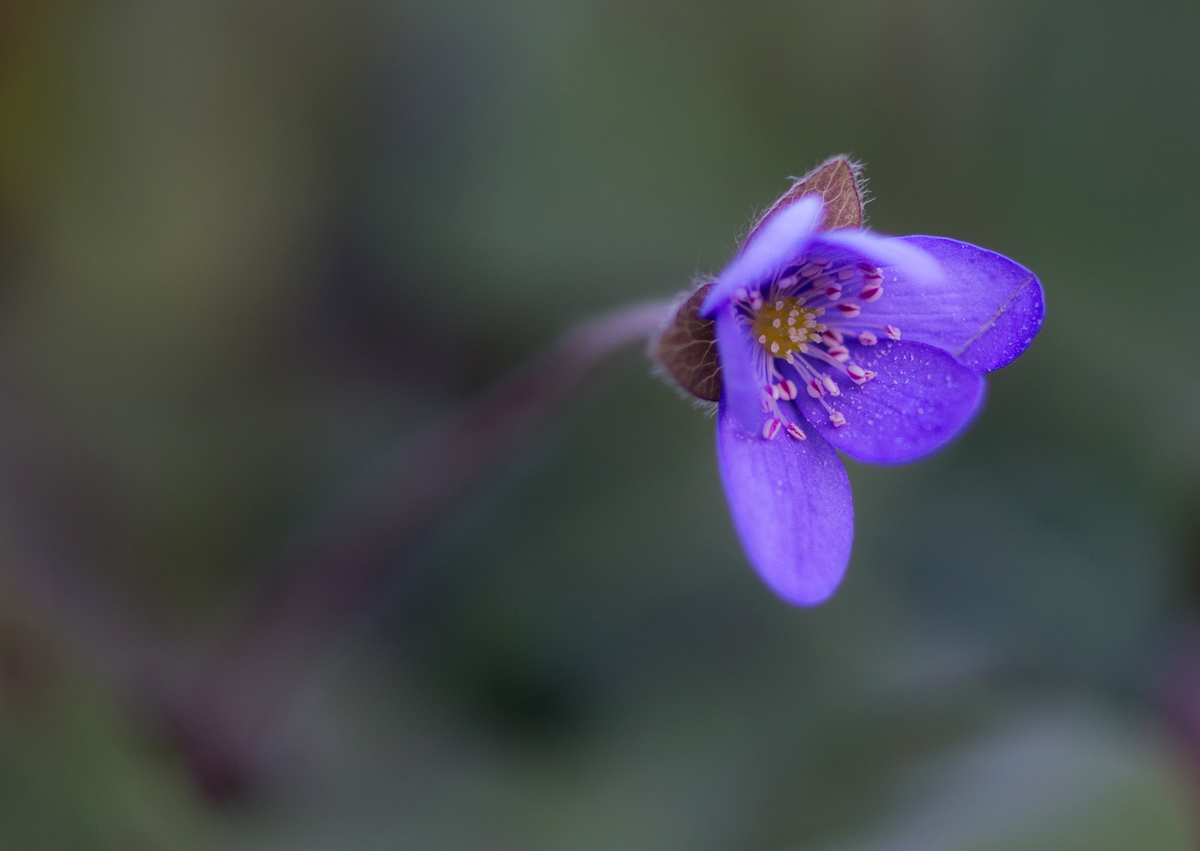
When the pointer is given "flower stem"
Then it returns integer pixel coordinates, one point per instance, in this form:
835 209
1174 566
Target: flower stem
226 707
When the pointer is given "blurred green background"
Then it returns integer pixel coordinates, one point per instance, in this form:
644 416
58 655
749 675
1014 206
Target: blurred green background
248 247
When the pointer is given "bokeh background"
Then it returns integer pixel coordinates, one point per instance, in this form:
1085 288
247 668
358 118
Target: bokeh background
249 247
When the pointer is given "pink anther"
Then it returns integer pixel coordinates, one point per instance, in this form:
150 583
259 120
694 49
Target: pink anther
849 309
892 331
771 428
859 375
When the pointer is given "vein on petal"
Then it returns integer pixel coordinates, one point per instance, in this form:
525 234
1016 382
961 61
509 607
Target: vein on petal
987 326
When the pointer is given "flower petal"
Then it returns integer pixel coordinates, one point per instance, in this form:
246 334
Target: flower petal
772 246
920 399
791 505
985 311
898 253
740 392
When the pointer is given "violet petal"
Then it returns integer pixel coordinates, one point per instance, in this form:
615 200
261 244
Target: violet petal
985 311
791 505
895 252
740 390
779 241
920 400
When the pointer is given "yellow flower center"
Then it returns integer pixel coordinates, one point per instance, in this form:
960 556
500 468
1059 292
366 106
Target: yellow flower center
784 326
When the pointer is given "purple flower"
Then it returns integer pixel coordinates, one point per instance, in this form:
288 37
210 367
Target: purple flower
846 340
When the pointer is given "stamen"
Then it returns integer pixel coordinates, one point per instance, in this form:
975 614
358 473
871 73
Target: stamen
785 330
785 390
859 375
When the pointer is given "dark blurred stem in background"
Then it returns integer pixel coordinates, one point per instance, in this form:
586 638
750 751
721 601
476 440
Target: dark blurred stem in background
223 702
226 709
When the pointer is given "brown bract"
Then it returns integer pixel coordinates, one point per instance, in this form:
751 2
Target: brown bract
837 182
687 347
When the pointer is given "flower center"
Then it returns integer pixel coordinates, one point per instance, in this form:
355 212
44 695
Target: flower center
784 326
783 315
